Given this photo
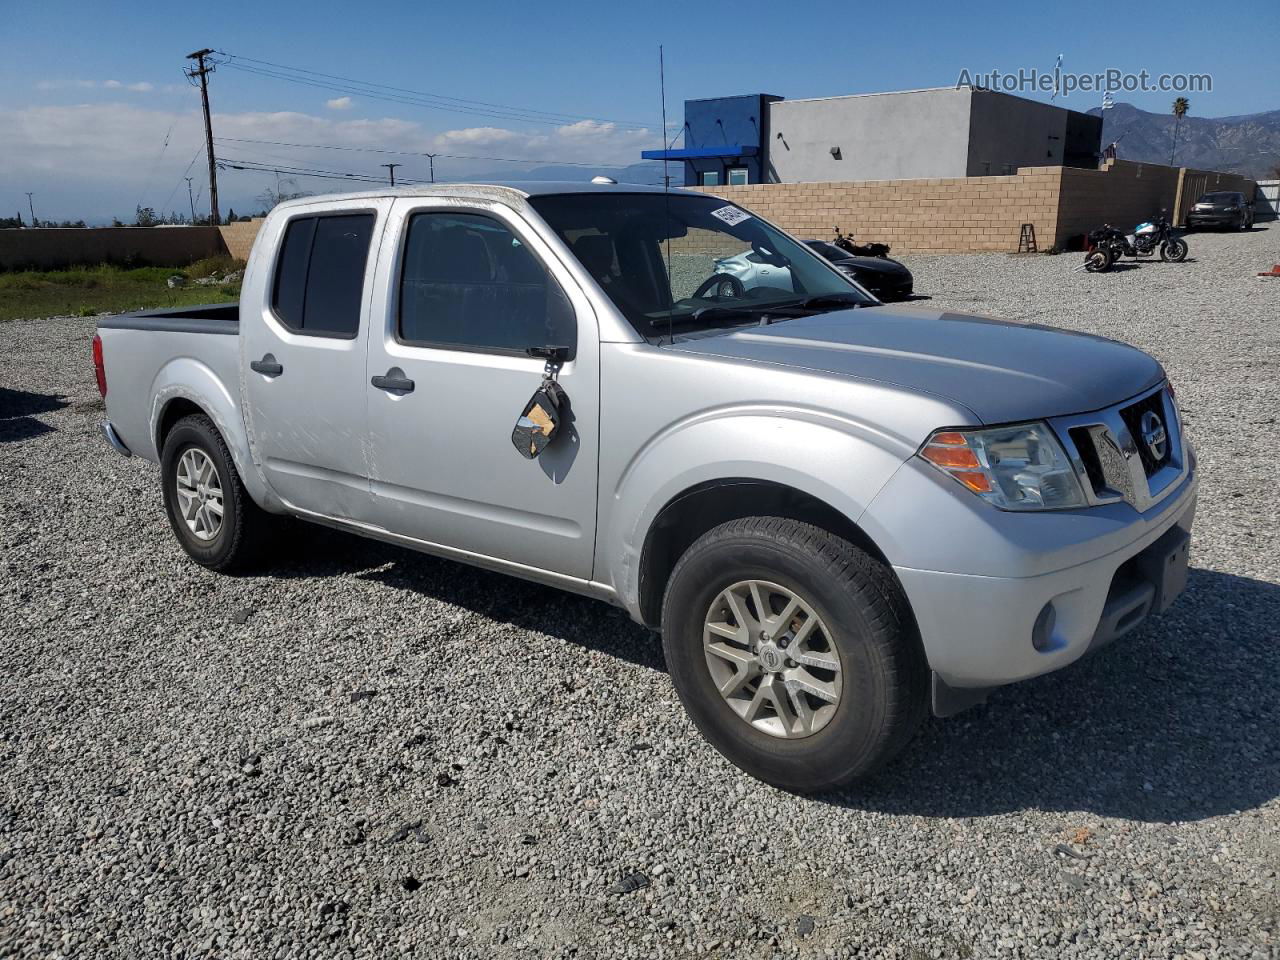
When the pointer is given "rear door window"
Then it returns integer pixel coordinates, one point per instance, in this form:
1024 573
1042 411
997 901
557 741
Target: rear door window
319 283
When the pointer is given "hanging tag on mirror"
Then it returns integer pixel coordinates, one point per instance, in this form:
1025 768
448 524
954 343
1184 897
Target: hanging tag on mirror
540 421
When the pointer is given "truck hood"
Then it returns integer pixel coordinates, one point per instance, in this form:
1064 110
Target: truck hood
1001 371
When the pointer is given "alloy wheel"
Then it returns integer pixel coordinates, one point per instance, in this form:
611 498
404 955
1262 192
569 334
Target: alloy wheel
199 490
772 659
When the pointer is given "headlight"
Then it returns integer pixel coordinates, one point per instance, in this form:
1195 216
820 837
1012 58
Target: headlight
1022 467
847 270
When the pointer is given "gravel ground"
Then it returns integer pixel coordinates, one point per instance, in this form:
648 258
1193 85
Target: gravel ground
373 753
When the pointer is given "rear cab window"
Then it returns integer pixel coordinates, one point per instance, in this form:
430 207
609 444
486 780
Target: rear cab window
320 273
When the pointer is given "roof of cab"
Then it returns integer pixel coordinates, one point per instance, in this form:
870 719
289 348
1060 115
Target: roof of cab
511 191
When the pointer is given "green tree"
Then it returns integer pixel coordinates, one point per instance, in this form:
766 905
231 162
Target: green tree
1180 108
145 217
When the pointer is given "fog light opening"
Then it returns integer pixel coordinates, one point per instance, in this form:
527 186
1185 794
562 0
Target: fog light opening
1042 632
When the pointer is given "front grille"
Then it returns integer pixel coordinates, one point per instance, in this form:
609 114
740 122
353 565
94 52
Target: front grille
1089 458
1132 417
1112 458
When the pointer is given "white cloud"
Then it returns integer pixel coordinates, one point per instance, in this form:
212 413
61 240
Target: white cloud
140 86
339 103
43 149
475 136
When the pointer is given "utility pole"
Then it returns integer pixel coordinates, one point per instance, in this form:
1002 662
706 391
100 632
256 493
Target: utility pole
203 72
431 159
192 200
391 169
32 209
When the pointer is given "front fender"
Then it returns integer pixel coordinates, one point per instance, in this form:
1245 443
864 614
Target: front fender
191 379
839 462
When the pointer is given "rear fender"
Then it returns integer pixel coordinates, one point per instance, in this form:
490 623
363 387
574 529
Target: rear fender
190 379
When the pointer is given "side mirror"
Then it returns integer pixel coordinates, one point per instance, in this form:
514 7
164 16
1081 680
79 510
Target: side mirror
540 421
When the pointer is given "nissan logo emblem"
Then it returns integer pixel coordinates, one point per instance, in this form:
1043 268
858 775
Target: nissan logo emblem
1154 435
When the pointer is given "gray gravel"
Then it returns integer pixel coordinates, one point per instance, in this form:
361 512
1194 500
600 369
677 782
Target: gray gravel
373 753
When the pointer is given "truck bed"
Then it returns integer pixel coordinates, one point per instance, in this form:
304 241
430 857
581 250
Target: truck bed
153 356
216 318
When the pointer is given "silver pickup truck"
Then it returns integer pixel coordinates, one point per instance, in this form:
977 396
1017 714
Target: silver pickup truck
838 513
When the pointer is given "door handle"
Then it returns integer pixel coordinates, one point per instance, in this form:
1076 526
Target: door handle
267 366
394 380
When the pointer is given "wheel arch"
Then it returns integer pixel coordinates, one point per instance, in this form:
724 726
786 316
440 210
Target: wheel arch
694 511
186 386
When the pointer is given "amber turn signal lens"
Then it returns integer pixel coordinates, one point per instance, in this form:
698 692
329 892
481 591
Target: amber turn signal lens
948 439
951 457
975 480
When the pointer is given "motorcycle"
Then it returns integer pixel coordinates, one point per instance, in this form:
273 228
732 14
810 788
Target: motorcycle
845 242
1107 244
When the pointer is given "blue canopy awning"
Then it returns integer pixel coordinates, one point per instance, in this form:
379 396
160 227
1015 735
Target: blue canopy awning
702 153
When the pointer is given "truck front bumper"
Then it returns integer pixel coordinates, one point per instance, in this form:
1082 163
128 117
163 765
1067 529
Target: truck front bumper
1042 590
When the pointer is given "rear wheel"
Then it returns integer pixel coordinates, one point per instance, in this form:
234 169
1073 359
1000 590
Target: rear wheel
794 652
213 517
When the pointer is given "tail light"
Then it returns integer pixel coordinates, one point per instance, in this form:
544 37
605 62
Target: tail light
99 370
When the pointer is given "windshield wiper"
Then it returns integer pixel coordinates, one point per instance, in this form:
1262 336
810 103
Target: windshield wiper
717 313
828 301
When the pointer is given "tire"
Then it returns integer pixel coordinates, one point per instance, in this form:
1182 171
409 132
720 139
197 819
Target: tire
1098 260
863 619
1173 251
237 542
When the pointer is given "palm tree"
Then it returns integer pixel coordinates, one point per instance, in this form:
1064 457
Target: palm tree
1180 108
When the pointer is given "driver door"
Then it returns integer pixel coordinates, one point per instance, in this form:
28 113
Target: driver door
467 291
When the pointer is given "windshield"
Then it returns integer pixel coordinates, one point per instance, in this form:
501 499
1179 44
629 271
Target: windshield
727 266
1220 198
828 250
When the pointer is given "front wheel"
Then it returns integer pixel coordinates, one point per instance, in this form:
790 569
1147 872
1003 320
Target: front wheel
1099 260
794 652
216 522
1173 251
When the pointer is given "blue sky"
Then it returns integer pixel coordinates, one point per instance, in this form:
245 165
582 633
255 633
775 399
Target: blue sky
88 94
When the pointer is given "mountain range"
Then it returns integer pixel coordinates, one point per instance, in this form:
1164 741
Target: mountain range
1248 144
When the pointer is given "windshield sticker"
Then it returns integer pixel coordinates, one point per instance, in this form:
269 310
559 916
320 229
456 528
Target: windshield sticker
731 215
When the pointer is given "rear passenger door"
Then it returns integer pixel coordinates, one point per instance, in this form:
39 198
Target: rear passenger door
303 346
462 293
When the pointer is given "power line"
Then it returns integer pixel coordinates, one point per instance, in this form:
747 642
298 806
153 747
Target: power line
256 166
194 157
393 98
413 153
403 94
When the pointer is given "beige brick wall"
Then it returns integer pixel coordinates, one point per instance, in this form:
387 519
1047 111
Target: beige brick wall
1122 194
239 236
970 214
953 215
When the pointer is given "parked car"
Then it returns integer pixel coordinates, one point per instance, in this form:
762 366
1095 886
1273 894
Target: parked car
1221 209
887 279
839 514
